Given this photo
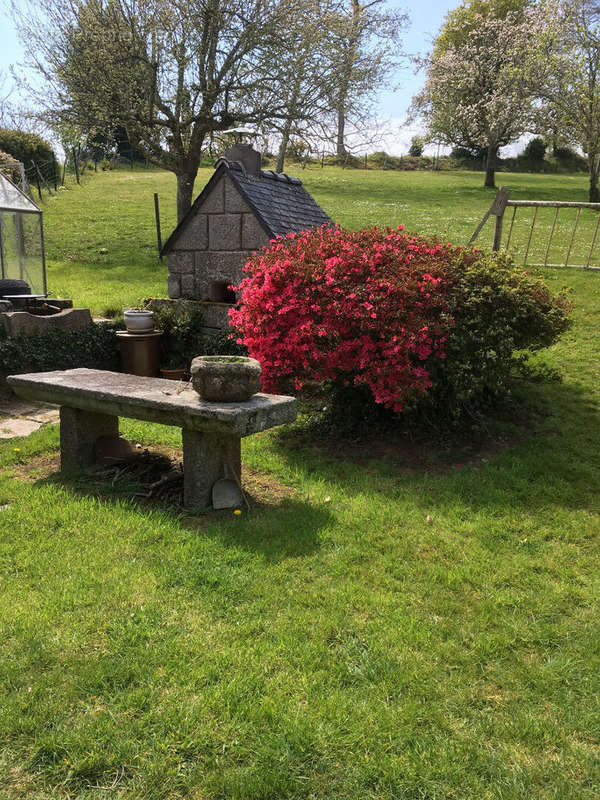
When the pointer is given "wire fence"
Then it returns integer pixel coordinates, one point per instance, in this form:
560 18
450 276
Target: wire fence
51 175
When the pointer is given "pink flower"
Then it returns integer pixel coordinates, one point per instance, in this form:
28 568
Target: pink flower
336 305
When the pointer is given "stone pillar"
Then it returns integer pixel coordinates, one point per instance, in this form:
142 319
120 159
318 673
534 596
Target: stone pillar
79 432
206 456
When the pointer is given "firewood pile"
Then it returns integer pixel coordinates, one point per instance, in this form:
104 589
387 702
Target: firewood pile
159 477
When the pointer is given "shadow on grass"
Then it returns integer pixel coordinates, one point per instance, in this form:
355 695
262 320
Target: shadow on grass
545 459
279 526
290 530
547 456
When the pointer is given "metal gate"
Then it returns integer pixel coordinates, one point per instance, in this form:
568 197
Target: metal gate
579 242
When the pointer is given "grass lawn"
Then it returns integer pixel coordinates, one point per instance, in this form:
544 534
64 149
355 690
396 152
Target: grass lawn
331 643
101 239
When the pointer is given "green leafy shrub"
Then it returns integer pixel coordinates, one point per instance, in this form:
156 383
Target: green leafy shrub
500 312
28 147
568 156
380 159
417 144
94 347
181 323
468 158
221 343
184 335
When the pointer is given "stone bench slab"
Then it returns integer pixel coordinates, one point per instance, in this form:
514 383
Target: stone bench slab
153 400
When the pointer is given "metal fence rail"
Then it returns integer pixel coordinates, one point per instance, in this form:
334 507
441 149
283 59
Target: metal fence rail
498 210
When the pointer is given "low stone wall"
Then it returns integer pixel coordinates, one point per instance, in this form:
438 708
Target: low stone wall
22 323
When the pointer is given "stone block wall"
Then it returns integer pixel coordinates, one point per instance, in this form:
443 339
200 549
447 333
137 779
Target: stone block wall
210 251
215 316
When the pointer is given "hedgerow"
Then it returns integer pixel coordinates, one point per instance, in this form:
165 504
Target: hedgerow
28 147
94 347
409 319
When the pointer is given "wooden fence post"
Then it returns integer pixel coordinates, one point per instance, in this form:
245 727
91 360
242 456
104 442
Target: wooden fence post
26 189
54 175
157 219
76 165
497 210
41 177
37 179
498 231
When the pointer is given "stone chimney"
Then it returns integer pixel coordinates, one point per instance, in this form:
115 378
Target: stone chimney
246 156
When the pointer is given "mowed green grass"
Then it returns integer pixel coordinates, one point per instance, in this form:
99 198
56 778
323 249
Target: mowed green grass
330 643
101 236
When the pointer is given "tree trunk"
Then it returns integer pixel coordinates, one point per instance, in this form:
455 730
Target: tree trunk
185 191
293 117
490 166
340 148
594 168
346 77
285 140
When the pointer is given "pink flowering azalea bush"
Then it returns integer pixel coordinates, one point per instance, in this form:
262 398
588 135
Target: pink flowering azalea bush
362 308
398 317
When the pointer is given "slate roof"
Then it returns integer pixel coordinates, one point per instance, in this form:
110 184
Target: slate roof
280 203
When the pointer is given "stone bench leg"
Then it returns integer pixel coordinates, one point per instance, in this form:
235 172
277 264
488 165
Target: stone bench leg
79 432
205 458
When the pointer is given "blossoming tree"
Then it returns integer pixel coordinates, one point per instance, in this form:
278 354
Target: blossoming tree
485 78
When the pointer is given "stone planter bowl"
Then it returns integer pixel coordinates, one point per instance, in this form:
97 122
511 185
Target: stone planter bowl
225 379
138 320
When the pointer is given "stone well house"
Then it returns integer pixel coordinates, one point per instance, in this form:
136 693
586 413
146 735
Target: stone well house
239 210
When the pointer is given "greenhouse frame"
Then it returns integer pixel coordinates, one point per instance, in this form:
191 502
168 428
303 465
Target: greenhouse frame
21 238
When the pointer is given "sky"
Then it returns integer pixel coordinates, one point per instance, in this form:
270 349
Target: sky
425 21
426 18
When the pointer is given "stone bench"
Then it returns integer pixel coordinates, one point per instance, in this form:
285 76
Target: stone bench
91 402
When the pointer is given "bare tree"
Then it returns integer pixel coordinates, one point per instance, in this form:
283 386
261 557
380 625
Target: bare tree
364 43
307 78
5 107
171 72
12 114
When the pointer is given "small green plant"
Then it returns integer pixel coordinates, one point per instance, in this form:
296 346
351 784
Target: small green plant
181 323
417 144
222 343
112 312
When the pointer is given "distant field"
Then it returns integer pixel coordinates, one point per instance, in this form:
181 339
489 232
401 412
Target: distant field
101 241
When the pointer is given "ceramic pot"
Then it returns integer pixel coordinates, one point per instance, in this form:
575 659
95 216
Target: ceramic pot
173 374
138 320
225 379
